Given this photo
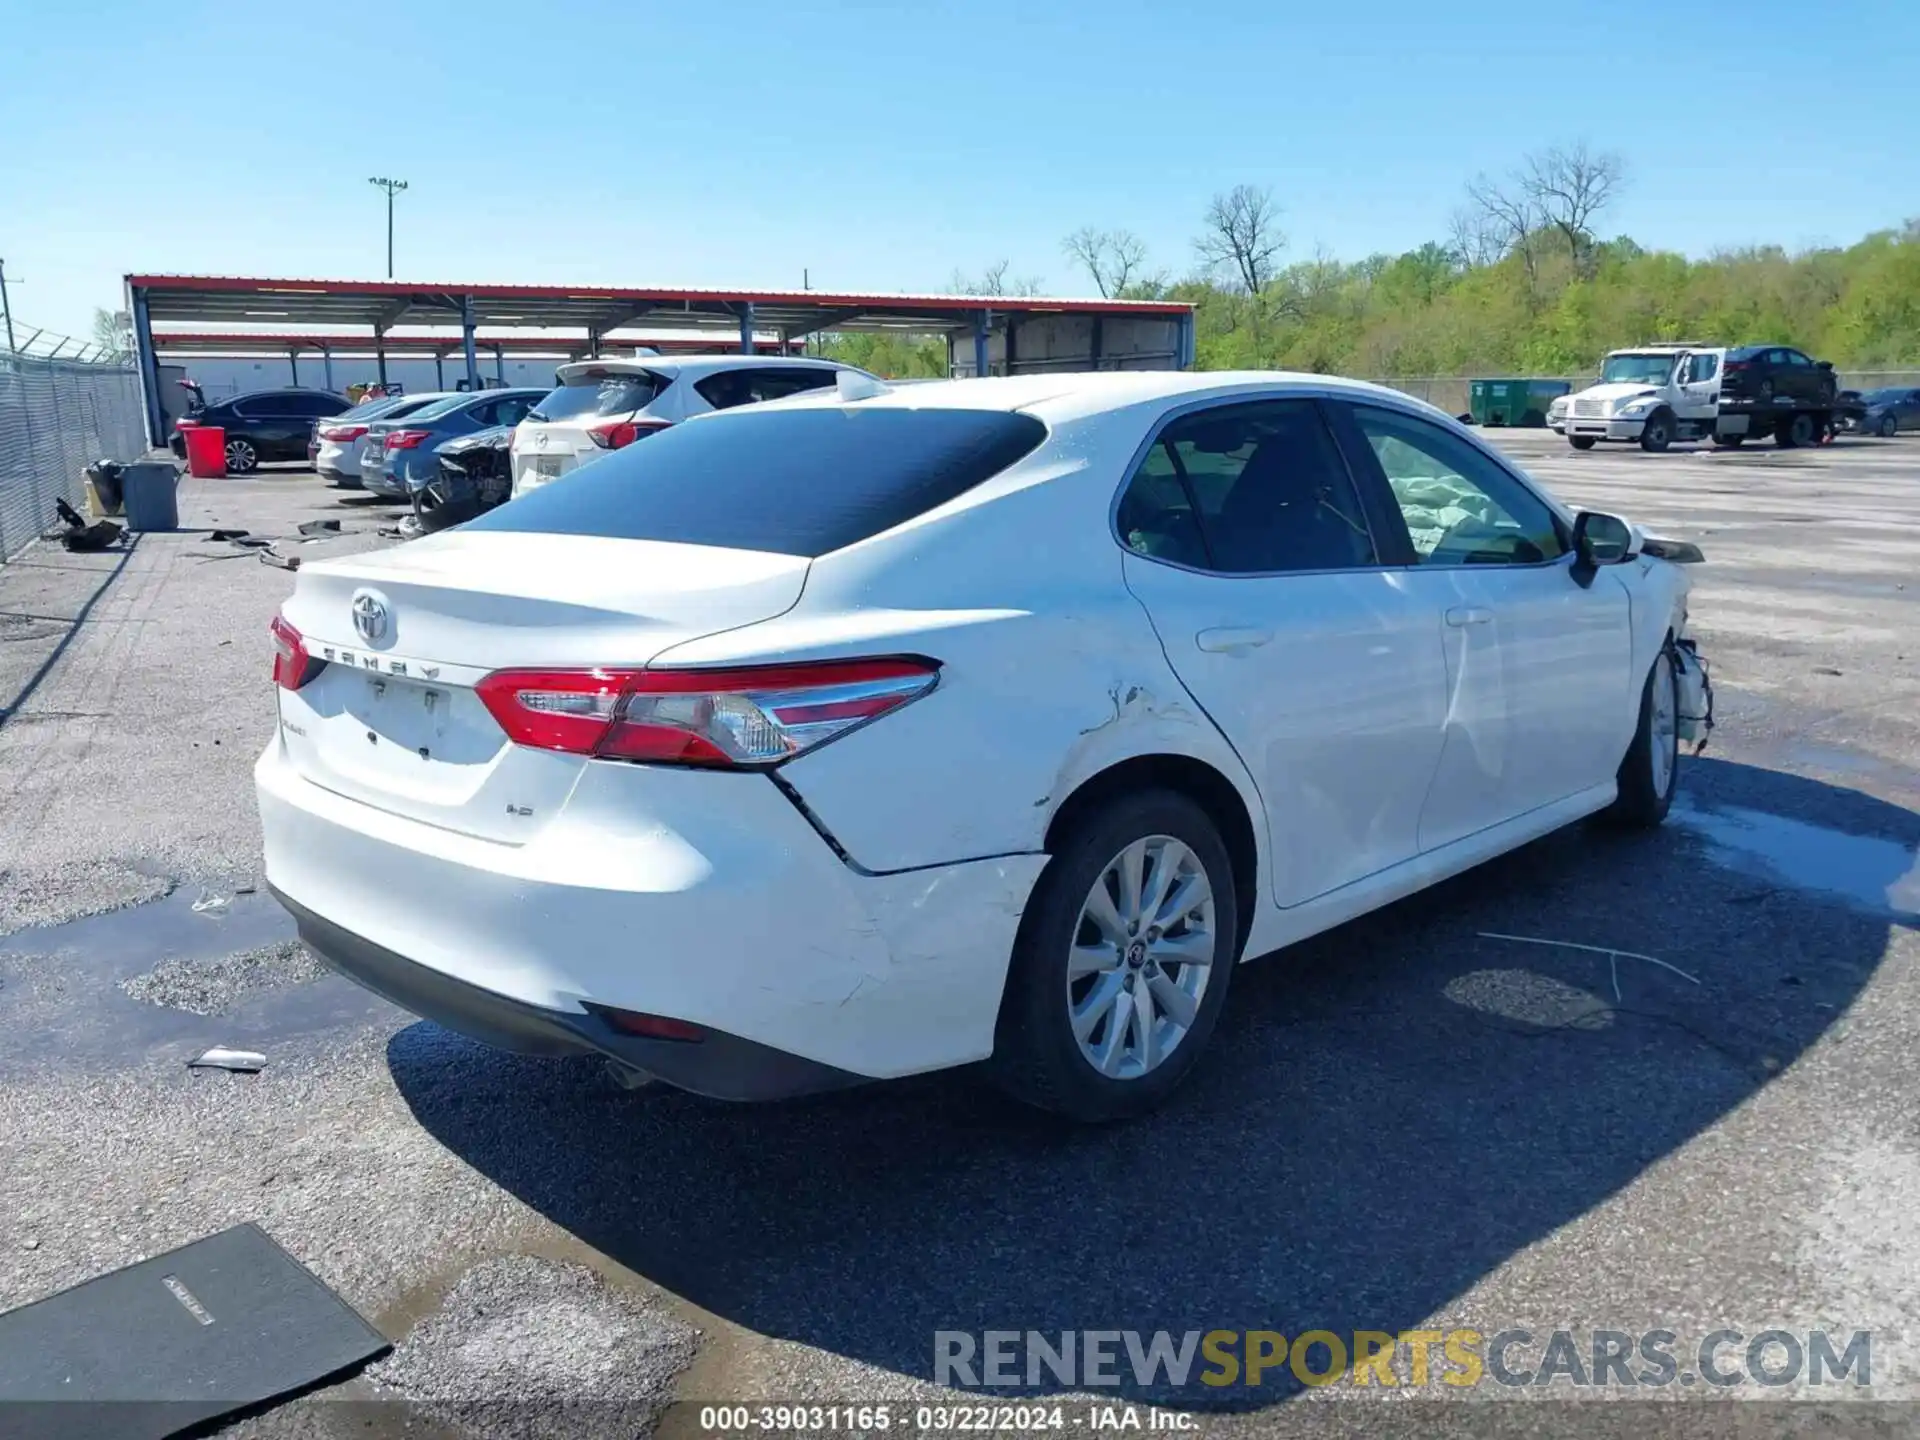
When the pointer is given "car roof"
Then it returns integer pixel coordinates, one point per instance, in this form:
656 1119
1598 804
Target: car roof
677 364
280 390
1765 345
1072 395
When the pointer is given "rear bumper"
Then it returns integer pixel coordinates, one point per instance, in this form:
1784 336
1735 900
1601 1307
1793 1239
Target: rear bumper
722 1066
691 895
380 482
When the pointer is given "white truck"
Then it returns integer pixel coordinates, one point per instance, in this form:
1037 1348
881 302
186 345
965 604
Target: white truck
1659 394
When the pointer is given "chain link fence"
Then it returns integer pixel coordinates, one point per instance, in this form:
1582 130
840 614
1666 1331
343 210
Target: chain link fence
56 418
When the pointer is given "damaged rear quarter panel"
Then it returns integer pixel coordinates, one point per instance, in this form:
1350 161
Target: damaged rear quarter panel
1051 671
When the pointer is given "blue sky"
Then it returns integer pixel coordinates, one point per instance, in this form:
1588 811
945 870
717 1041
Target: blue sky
883 146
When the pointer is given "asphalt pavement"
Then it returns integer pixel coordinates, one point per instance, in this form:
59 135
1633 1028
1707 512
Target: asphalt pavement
1403 1125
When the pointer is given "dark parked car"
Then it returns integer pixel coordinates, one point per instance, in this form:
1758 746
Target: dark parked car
1888 412
264 425
399 455
1777 373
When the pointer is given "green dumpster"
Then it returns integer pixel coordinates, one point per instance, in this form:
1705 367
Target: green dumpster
1514 401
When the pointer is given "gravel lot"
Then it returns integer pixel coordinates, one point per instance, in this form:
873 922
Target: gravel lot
1403 1125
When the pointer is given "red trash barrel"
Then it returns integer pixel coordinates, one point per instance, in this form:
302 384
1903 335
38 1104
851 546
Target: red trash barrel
206 451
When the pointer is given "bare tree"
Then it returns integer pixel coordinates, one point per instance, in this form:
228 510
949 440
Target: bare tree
113 332
1559 191
995 280
1503 219
1242 236
1568 187
1115 259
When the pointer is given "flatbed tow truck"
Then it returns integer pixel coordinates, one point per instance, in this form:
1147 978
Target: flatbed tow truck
1658 395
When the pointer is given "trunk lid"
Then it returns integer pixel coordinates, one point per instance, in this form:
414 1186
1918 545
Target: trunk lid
393 721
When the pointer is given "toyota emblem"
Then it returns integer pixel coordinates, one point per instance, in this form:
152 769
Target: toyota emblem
370 616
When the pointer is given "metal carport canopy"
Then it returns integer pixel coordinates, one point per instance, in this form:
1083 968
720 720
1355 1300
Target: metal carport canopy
319 305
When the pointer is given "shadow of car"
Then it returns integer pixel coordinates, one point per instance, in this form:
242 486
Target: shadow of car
1391 1112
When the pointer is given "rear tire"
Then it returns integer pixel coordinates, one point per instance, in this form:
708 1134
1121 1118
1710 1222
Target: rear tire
1581 442
1091 960
1657 435
242 458
1795 431
1651 769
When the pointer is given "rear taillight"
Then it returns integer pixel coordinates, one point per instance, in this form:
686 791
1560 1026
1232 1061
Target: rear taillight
1733 367
292 665
736 718
405 439
340 434
618 434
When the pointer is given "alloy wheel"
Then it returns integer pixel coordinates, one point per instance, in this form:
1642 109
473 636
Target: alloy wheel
1141 957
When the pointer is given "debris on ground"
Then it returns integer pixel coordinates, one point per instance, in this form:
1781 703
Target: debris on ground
319 527
241 1062
79 536
211 904
1614 957
284 562
213 535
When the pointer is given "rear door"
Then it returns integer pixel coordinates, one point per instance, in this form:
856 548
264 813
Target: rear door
1537 662
1255 558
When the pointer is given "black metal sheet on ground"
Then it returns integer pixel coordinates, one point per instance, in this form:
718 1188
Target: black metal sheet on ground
221 1326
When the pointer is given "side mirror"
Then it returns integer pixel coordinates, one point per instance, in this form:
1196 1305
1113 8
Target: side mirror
1600 539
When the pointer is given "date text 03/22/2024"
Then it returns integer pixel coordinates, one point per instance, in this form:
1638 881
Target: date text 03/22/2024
935 1419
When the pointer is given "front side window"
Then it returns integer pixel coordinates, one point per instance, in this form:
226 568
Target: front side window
1461 508
1701 368
1249 489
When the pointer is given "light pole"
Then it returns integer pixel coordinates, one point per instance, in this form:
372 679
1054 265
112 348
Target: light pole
6 305
392 187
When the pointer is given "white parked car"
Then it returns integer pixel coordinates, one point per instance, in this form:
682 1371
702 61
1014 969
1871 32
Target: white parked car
601 406
341 442
843 738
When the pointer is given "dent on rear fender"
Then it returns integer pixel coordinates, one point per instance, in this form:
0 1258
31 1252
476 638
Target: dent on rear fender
1131 719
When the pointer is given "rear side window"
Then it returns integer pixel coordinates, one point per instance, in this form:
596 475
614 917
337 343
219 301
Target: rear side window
1254 489
727 388
434 409
596 396
408 407
790 482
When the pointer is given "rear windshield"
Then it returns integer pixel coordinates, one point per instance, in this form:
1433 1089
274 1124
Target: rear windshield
598 395
792 482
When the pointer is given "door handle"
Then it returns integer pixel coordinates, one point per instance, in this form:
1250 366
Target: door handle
1468 615
1228 638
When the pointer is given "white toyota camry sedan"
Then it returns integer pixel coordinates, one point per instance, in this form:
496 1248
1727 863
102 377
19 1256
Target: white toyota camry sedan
886 730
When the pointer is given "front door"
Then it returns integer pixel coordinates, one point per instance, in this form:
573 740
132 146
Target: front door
1537 661
1697 380
1253 555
